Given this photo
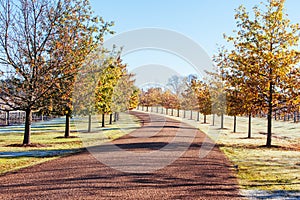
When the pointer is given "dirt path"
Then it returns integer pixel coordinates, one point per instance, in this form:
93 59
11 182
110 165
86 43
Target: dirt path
82 176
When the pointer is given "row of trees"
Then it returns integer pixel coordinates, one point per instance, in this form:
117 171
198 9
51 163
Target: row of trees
46 46
261 70
196 95
104 87
181 93
258 75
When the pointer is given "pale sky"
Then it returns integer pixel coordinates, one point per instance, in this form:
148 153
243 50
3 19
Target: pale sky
203 21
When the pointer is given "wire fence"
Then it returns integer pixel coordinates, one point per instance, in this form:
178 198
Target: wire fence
18 117
195 115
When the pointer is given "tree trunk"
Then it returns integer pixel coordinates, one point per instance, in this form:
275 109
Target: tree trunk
222 121
172 112
110 118
191 117
204 119
103 120
115 117
90 123
295 117
28 121
183 113
270 105
249 126
213 119
67 126
234 124
167 111
198 116
178 114
147 109
156 109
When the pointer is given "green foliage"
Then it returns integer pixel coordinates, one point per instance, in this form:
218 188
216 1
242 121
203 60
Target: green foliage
106 84
103 85
123 98
83 97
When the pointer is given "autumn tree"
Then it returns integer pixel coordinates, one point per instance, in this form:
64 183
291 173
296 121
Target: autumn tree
202 93
291 99
134 98
188 101
264 53
42 45
170 101
151 97
239 100
83 97
142 99
124 94
217 92
26 29
80 34
110 76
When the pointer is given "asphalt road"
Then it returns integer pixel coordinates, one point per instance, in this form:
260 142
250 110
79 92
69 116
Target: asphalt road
158 161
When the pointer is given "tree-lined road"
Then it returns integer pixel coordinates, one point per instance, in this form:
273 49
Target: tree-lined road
82 176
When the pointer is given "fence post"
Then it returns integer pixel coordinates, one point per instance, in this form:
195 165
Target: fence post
7 118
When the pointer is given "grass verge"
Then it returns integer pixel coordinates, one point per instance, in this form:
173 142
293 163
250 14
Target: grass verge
257 167
49 141
261 168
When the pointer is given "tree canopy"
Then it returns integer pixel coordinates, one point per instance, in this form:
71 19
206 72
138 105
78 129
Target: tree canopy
263 57
42 45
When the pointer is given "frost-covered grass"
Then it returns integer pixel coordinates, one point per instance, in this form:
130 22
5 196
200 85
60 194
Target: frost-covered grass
46 137
258 167
50 143
277 168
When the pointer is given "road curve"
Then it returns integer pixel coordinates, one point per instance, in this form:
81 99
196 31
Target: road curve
81 176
